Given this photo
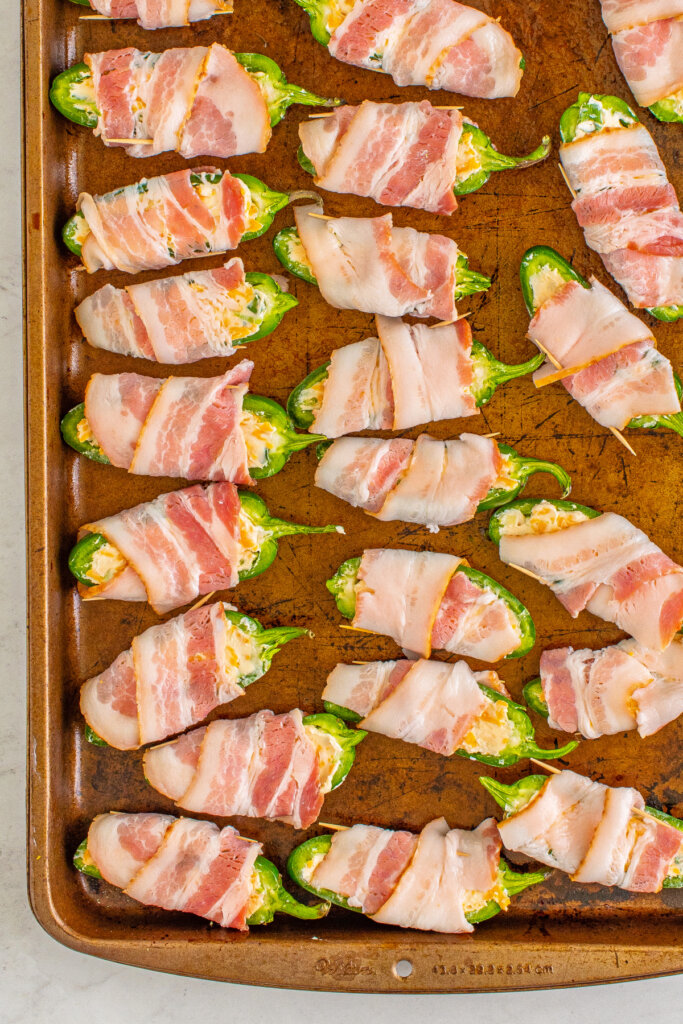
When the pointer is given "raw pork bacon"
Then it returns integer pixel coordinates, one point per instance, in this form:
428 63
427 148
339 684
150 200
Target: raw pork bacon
628 211
264 766
412 881
591 832
647 36
421 601
177 864
437 43
161 13
619 688
620 373
178 547
431 703
181 427
368 264
400 154
199 101
171 678
438 483
158 222
608 567
173 319
411 374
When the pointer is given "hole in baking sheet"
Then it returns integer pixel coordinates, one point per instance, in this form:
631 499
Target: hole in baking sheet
403 968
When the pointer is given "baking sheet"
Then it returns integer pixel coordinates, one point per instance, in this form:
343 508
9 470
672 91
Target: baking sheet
554 934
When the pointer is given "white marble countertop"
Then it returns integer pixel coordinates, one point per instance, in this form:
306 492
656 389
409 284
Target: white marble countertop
42 981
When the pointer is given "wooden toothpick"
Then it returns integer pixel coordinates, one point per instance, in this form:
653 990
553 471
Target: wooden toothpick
566 180
496 433
128 142
328 113
546 767
334 828
447 323
527 572
320 216
622 440
356 629
202 600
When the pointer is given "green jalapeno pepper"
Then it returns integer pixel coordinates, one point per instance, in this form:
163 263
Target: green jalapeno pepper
535 698
264 201
514 798
590 114
526 507
342 586
348 740
541 269
276 453
476 160
521 742
670 108
267 888
73 95
255 514
292 255
304 858
488 374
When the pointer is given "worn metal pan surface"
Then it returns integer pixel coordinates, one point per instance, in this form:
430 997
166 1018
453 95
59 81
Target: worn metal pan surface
555 934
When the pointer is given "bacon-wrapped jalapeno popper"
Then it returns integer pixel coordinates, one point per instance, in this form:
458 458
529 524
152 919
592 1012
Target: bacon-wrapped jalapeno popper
403 154
436 483
594 833
189 865
410 374
366 263
425 601
443 880
181 319
647 37
617 689
439 705
158 222
175 673
624 202
437 43
594 561
198 101
270 766
618 375
180 546
199 428
153 14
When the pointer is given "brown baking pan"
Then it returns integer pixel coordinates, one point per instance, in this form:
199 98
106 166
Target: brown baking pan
556 934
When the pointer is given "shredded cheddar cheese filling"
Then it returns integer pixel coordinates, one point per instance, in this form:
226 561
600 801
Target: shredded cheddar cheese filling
544 518
491 732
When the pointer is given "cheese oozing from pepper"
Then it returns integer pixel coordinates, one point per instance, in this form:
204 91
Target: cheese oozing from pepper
297 253
241 655
106 563
260 438
467 160
492 732
252 536
544 518
544 284
329 754
230 313
336 11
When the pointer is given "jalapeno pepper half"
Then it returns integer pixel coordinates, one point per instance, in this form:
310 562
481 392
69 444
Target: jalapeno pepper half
267 887
278 448
292 255
590 114
342 586
542 271
304 858
265 203
488 375
256 517
476 160
515 797
526 507
73 95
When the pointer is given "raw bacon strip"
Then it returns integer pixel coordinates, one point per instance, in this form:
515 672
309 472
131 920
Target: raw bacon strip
596 833
629 212
179 546
399 594
173 319
183 426
446 867
437 43
438 483
263 766
174 675
399 154
367 264
610 568
153 14
647 36
474 622
618 688
620 14
158 222
364 864
430 703
412 374
177 864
